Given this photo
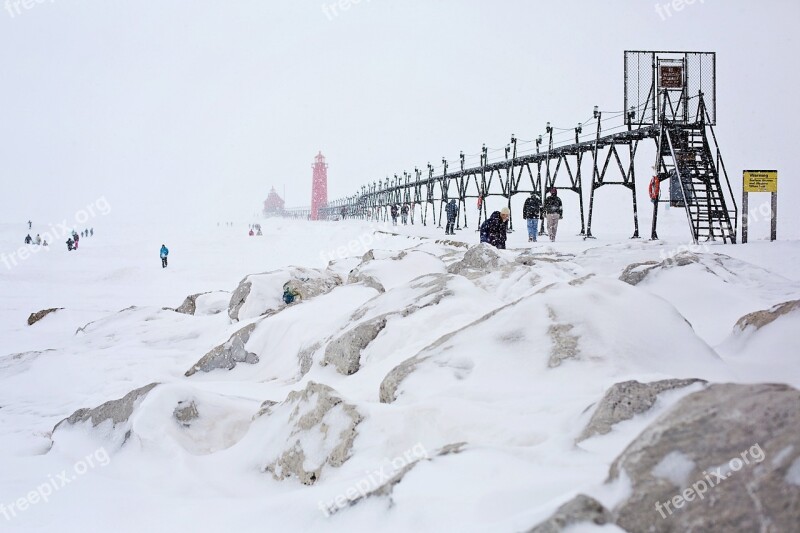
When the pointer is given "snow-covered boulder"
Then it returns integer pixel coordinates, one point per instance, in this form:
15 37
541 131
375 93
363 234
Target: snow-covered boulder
228 354
311 429
759 319
344 352
204 303
558 328
395 269
289 343
166 417
637 272
580 509
38 315
260 294
116 412
625 400
477 261
726 458
764 344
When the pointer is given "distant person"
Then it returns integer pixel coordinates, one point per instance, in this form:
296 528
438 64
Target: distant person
344 212
91 232
30 225
554 212
70 244
404 214
530 212
493 230
163 254
38 240
258 233
251 232
28 239
451 210
393 212
44 243
75 240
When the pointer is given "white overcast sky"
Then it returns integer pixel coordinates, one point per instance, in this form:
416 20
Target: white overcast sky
195 109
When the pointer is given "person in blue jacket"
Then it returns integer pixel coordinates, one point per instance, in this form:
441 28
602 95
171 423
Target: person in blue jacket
164 254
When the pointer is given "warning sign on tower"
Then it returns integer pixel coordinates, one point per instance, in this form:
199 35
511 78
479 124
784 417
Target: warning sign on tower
671 77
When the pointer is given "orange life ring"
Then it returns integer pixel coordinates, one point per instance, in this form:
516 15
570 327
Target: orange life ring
655 188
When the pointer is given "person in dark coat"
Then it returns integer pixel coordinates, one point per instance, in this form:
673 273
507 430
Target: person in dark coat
404 214
452 213
70 242
493 230
28 239
530 212
393 212
554 212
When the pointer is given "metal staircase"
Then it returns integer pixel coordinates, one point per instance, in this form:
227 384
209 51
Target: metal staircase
685 152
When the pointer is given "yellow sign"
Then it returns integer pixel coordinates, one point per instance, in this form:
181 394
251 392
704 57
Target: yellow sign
760 181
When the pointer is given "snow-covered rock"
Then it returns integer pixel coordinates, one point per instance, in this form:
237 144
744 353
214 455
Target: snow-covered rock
311 429
759 319
164 417
204 303
578 510
38 315
228 354
116 412
344 352
625 400
260 294
727 446
558 328
478 261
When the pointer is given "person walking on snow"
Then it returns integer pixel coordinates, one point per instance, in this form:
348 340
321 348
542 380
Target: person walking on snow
530 212
393 212
28 238
493 230
69 244
164 253
75 239
30 225
404 214
451 210
554 212
38 239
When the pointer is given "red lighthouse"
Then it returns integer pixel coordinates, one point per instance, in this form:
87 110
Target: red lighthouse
319 186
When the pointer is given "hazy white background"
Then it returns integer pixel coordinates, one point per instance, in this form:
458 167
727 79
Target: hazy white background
194 110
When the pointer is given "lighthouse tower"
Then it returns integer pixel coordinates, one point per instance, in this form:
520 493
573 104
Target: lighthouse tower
319 186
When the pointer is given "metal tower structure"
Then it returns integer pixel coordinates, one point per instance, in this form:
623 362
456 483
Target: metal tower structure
670 98
319 186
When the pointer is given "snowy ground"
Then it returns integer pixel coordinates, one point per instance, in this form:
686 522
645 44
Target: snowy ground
488 384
